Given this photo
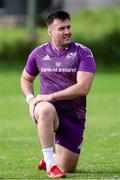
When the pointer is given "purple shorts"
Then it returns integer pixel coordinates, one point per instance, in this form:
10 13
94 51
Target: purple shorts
70 133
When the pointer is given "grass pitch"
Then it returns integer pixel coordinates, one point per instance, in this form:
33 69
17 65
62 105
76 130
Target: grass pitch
19 145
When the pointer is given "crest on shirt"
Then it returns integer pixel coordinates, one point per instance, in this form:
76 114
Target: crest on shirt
46 58
58 64
70 55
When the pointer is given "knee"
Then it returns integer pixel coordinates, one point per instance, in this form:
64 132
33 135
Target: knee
44 110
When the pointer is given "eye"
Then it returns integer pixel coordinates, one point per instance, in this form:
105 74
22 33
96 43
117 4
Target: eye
68 27
64 27
61 28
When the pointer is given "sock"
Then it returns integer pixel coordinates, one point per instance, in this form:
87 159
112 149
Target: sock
48 157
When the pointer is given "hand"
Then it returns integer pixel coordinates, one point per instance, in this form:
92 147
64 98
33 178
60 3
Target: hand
32 105
40 98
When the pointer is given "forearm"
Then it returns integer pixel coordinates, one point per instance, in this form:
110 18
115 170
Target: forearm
26 86
26 83
81 88
72 92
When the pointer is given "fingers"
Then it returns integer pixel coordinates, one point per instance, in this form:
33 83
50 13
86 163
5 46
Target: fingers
32 110
37 99
46 97
40 98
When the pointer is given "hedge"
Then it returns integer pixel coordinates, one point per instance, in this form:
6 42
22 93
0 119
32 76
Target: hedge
97 29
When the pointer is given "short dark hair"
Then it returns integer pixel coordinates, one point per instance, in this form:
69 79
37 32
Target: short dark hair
60 14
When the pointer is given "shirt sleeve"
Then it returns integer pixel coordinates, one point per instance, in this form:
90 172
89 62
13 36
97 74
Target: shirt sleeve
31 65
87 61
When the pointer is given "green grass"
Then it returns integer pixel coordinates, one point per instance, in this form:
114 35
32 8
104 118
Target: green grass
19 145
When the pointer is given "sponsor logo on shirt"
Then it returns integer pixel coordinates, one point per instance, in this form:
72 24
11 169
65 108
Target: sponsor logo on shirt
46 58
58 69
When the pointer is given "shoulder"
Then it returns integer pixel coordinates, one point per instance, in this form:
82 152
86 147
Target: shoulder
82 49
81 46
38 50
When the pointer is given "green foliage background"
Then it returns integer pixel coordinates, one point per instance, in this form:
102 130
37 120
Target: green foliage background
98 29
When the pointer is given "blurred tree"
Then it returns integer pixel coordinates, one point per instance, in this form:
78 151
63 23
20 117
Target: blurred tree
31 19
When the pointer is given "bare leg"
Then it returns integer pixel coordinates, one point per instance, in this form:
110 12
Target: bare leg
66 159
47 123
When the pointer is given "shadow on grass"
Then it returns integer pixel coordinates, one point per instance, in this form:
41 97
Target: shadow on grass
97 172
87 174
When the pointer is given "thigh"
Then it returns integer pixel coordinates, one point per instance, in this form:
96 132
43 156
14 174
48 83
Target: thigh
66 159
70 133
69 137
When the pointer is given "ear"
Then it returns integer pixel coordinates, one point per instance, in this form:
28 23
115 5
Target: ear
49 32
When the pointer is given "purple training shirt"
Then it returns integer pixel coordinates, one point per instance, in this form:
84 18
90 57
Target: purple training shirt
57 70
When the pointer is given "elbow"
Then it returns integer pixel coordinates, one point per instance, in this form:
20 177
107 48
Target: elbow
84 92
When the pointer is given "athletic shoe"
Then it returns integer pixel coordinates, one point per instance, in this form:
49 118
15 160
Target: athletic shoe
55 172
42 165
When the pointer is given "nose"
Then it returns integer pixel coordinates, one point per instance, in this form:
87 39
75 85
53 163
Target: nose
67 31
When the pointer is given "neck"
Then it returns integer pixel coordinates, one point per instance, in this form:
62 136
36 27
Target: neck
57 47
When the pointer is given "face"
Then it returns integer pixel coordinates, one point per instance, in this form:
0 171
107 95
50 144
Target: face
60 32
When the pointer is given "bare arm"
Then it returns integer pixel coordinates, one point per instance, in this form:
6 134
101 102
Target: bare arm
26 83
81 88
